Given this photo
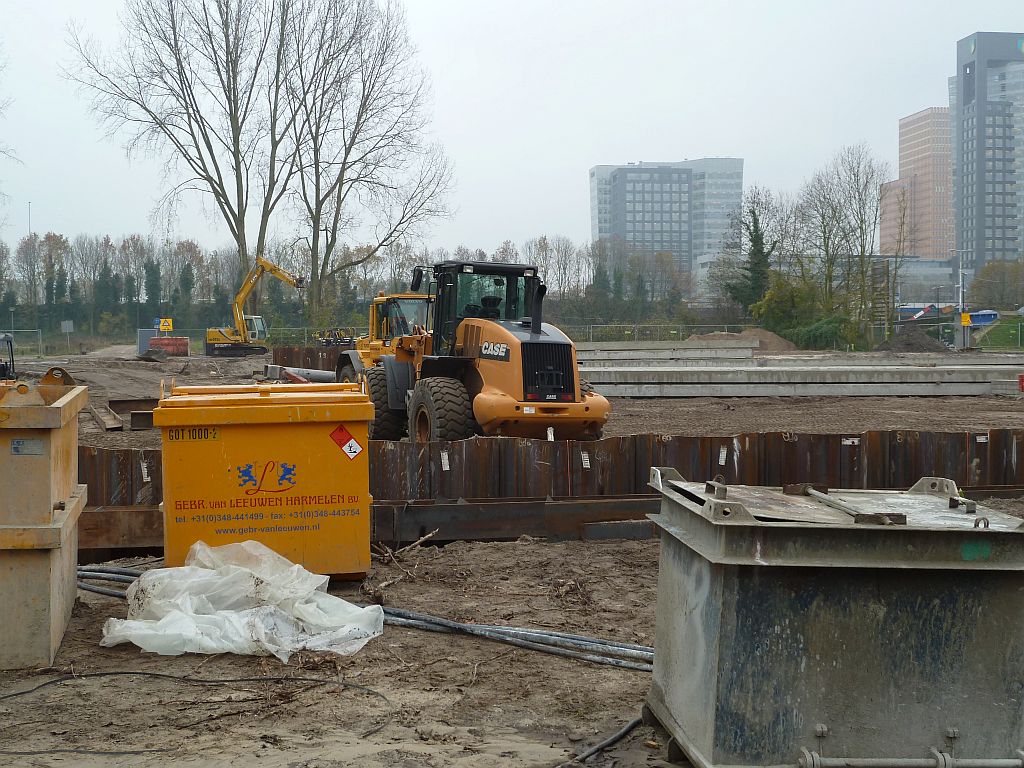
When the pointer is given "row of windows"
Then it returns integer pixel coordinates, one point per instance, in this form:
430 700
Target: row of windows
656 214
650 176
659 227
655 187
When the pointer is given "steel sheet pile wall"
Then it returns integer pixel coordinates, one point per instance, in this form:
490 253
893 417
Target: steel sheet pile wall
501 467
121 477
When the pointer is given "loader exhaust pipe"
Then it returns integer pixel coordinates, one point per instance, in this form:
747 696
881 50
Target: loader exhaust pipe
537 311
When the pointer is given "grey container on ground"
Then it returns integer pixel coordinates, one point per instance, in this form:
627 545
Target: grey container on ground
789 634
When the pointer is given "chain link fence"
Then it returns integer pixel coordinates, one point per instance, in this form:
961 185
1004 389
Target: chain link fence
28 341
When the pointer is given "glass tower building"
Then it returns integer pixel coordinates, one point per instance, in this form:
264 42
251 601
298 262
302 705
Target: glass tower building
986 99
682 208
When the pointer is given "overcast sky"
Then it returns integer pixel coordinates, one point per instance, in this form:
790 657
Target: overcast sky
527 95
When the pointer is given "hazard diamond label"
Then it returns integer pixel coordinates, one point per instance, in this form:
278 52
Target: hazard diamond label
348 444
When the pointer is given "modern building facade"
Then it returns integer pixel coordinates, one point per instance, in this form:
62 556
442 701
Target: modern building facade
987 108
917 208
682 208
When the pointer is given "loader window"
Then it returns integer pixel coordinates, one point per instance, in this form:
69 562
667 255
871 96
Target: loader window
407 314
492 297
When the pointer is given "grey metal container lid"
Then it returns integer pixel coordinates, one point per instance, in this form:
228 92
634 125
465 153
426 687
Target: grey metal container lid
928 526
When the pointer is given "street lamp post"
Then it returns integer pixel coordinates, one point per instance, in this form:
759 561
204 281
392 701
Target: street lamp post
961 295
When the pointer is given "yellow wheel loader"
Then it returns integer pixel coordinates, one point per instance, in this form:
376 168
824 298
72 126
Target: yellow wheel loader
391 317
485 363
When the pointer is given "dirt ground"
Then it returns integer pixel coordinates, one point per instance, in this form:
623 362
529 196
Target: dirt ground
729 416
450 700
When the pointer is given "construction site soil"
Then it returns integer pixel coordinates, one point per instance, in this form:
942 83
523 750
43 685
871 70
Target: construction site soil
438 700
116 373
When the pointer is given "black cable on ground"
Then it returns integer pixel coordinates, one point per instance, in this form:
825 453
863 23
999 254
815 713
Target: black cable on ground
102 590
613 739
91 576
534 646
578 639
110 569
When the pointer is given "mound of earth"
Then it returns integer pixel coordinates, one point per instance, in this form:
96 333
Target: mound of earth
767 341
911 339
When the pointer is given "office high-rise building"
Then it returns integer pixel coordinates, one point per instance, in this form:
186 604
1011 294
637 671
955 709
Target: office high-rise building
917 208
987 107
682 208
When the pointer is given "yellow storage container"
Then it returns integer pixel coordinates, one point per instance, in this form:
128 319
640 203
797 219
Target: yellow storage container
282 464
40 503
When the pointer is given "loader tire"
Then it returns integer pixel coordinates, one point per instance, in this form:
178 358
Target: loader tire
386 424
440 409
586 387
348 373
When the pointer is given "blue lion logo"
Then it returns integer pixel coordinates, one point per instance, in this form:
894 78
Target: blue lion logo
246 476
287 474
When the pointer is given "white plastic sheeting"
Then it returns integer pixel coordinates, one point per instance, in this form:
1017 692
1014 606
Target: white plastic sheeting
240 598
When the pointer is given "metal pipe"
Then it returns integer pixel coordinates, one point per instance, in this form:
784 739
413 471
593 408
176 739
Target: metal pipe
280 371
835 503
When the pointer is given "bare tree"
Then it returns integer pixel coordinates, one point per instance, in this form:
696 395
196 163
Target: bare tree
28 268
824 238
859 177
506 253
366 173
204 81
6 274
564 265
399 259
537 251
5 102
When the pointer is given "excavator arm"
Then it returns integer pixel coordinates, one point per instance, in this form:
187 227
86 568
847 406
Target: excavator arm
261 267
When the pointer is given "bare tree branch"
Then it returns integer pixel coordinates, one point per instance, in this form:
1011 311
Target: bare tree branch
202 82
365 173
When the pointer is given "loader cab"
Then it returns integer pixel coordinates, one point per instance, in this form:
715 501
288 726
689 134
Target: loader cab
401 315
463 289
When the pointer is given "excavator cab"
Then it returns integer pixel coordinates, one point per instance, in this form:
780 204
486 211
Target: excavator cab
256 326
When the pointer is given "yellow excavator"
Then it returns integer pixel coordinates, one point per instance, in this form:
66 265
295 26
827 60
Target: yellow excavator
239 340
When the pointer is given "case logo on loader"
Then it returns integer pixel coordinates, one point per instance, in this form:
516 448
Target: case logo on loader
492 350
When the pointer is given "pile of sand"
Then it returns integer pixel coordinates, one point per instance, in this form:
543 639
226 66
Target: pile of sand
911 339
767 341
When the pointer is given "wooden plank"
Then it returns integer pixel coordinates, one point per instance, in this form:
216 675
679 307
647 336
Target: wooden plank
106 419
